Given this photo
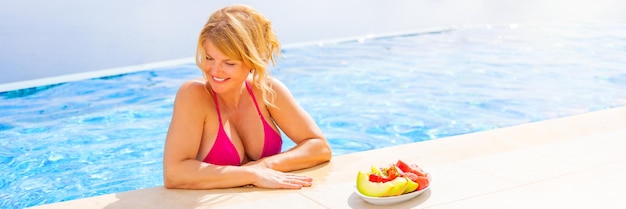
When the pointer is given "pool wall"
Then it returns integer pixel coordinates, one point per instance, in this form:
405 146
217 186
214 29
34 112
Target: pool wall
74 39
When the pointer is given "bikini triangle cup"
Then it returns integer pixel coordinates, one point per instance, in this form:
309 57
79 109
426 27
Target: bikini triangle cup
224 152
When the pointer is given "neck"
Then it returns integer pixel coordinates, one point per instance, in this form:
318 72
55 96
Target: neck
230 100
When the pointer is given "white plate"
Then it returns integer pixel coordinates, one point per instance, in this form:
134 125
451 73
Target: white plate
392 199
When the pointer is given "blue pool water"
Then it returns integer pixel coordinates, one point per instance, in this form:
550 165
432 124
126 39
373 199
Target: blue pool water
105 135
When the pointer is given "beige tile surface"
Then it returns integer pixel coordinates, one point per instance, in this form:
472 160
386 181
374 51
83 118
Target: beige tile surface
572 162
601 187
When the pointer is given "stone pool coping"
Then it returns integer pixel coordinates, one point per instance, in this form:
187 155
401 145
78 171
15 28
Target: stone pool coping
570 162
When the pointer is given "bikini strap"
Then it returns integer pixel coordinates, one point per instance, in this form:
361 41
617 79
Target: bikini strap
217 107
253 99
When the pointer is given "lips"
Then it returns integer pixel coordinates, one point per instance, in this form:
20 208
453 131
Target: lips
219 79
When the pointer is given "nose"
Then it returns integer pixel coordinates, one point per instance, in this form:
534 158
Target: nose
213 67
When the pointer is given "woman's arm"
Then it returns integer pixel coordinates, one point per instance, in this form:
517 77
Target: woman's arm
311 146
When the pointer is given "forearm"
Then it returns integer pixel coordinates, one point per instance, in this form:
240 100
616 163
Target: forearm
308 153
193 174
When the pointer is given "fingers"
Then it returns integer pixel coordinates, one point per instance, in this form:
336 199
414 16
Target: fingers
297 181
268 178
300 183
299 177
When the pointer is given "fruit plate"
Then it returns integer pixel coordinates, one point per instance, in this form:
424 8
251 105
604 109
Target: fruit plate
392 199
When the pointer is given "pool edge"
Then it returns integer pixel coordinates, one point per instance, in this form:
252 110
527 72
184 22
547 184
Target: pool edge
444 158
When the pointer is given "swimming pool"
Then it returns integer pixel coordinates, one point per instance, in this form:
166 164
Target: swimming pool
105 135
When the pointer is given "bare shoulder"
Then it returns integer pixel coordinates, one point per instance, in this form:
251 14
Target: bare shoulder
192 92
192 87
279 87
283 99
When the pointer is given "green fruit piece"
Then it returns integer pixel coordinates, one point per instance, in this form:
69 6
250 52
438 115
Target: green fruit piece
399 186
411 186
376 170
372 189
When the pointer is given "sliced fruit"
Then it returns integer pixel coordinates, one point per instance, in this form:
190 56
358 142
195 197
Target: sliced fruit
411 176
376 170
376 178
417 170
403 166
410 168
392 173
399 185
372 189
411 185
423 182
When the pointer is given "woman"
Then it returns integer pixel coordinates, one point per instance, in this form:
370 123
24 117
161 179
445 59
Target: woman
225 128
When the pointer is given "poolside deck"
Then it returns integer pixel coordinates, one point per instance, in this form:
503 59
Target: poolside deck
572 162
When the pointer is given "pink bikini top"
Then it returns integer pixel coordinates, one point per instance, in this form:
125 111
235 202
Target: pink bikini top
224 152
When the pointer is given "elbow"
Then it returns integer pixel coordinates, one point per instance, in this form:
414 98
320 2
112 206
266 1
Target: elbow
172 180
328 154
169 182
169 186
325 153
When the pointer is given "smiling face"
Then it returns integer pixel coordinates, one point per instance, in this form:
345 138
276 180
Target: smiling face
234 40
223 73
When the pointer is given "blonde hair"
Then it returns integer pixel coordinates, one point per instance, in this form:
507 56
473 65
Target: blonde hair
240 32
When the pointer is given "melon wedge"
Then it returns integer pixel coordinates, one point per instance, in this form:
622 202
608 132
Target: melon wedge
372 189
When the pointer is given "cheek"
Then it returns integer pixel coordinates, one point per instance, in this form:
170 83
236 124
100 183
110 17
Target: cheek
205 69
245 69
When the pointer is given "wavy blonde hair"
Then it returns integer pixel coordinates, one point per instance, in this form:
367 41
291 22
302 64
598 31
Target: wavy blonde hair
241 32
